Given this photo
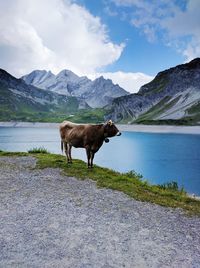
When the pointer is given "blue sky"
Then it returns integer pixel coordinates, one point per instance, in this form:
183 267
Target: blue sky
128 41
139 54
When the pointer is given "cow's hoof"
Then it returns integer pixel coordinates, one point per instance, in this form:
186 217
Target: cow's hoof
106 140
90 167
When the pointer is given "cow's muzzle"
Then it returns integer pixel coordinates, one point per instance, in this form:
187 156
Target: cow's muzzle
118 134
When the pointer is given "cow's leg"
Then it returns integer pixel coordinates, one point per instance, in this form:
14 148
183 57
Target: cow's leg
88 151
69 153
92 157
66 151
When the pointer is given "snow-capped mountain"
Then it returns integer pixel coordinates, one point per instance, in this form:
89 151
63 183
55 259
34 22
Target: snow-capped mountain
97 93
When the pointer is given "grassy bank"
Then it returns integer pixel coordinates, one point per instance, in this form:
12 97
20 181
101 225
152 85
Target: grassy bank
130 183
79 116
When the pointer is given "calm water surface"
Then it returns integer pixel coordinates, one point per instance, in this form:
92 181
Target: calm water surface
158 157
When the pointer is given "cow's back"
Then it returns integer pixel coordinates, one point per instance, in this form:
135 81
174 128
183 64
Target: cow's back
67 124
65 127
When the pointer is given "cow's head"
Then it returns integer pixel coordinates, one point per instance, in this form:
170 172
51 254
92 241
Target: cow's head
110 130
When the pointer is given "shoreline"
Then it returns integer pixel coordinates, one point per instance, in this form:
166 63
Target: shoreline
165 129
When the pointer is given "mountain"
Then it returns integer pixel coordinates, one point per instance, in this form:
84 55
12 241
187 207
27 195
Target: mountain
19 101
172 97
97 93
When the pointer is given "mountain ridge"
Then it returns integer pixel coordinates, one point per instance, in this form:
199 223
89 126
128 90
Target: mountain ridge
20 101
97 93
173 96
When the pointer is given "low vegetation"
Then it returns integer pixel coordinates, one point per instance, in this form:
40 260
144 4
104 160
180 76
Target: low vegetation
40 150
173 185
87 116
130 183
81 116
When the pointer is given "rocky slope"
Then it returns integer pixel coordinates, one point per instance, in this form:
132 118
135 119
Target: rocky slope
97 93
19 101
173 96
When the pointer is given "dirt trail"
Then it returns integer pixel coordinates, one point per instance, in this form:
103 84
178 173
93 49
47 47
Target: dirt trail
50 220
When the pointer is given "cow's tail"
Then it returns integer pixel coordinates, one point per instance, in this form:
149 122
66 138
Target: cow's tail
61 146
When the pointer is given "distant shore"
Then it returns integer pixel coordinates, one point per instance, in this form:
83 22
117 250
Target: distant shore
161 129
28 124
131 128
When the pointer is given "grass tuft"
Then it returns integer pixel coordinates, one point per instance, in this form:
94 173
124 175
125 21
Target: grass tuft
133 174
39 150
169 185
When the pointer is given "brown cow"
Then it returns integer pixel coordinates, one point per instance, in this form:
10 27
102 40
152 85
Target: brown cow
90 137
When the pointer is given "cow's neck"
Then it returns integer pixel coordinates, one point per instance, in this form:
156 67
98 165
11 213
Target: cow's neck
105 134
102 132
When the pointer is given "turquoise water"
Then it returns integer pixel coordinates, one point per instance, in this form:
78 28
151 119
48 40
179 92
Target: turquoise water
158 157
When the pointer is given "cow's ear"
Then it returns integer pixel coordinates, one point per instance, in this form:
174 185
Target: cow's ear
110 122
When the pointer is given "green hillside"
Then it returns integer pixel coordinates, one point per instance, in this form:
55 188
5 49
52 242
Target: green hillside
19 107
22 102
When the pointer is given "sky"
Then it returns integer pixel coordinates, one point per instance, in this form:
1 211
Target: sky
128 41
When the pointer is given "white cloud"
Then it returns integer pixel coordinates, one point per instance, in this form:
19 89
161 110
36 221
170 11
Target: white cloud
177 25
192 50
53 35
129 81
186 24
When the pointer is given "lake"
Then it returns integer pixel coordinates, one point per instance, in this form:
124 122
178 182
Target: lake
158 157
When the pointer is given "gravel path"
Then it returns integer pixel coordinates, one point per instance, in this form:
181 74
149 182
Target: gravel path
51 220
